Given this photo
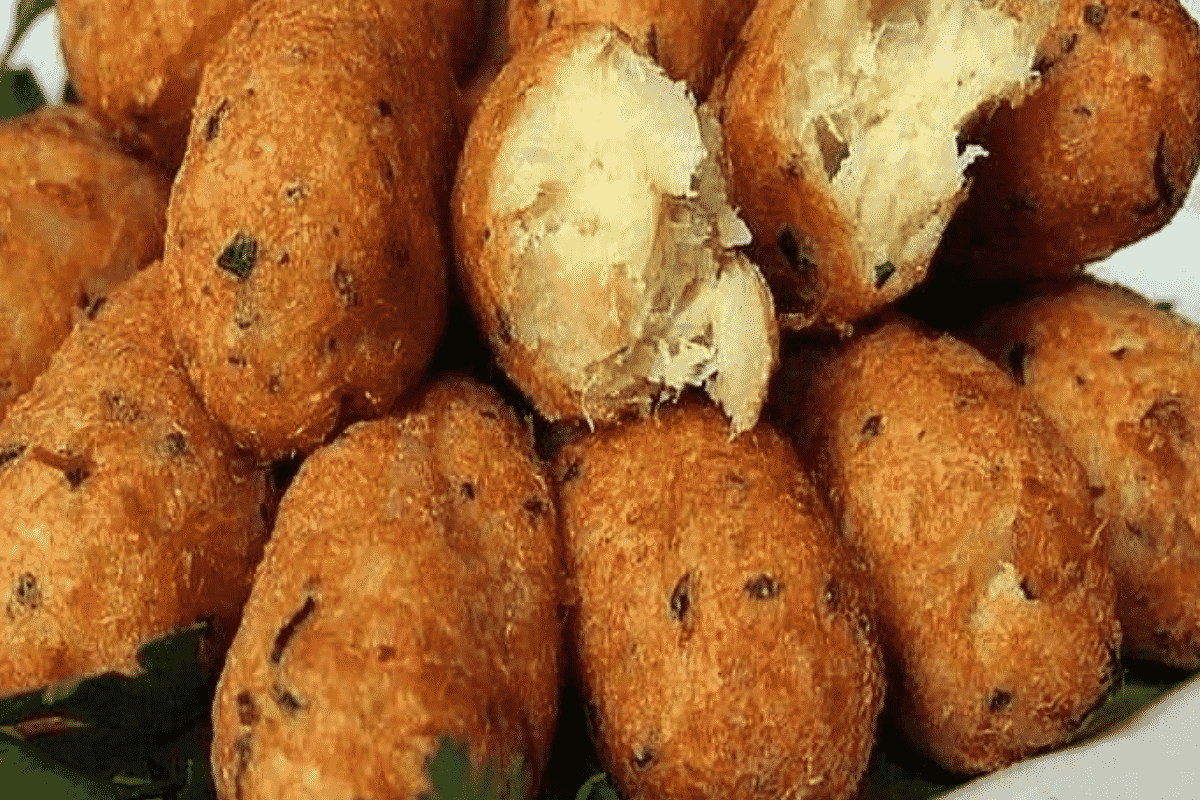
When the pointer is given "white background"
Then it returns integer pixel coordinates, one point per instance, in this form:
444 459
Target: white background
1156 756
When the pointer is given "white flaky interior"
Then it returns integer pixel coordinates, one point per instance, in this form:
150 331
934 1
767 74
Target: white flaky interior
616 208
879 93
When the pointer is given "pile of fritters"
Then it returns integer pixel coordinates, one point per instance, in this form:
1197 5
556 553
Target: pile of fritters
648 348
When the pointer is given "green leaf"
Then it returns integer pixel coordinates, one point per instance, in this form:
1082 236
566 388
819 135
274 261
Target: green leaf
1164 306
25 772
453 777
597 787
169 696
27 13
1141 684
99 752
19 93
898 772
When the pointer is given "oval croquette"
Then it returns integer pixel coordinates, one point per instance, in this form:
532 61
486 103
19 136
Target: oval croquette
997 607
125 511
722 633
1120 379
409 592
307 236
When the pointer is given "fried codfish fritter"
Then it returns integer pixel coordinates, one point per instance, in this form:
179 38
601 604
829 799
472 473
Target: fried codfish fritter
594 240
125 511
78 215
137 64
996 603
1101 155
1120 379
409 592
307 235
722 633
842 120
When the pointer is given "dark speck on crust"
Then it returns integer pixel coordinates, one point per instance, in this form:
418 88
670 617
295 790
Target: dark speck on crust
91 305
763 587
212 128
284 637
247 711
286 700
26 595
873 425
175 444
643 757
295 191
10 452
681 598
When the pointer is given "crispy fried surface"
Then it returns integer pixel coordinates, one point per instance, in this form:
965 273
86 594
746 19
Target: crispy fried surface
1120 380
78 215
306 236
416 560
997 607
1101 155
137 65
722 635
125 511
841 119
689 39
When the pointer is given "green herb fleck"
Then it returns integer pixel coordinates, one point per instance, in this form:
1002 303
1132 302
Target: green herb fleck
1164 306
883 272
239 255
597 788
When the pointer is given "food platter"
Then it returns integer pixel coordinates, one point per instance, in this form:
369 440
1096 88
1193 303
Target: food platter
1151 754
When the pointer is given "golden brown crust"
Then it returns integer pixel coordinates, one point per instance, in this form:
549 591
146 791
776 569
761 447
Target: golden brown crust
137 64
1101 155
78 215
808 236
417 560
1119 379
126 512
996 604
722 637
307 235
690 39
